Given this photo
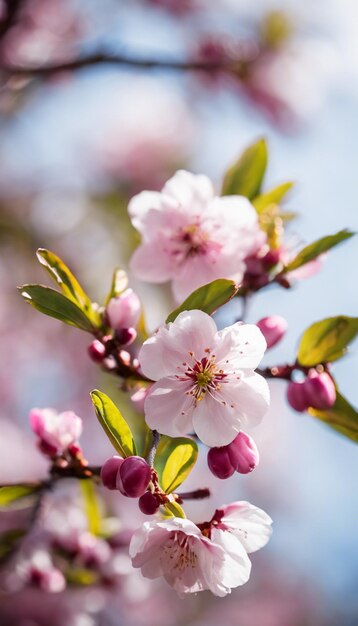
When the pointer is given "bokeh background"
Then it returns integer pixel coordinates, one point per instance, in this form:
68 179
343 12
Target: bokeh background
74 147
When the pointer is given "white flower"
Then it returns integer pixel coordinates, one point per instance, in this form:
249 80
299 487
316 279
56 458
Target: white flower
190 562
190 236
212 555
206 379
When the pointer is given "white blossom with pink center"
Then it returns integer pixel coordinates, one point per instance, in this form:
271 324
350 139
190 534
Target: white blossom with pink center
58 430
190 562
205 378
190 236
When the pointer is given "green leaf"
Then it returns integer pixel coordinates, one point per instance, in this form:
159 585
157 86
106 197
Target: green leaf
91 506
342 417
308 253
271 197
55 304
207 298
174 460
66 281
244 178
12 493
9 540
327 340
114 424
173 509
119 284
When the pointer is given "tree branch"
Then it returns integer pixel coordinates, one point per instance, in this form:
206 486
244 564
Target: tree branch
103 58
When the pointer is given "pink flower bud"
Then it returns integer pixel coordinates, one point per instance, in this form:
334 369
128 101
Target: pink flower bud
92 551
243 453
219 462
133 476
273 329
320 392
124 310
296 396
126 336
109 472
53 581
97 351
57 430
149 503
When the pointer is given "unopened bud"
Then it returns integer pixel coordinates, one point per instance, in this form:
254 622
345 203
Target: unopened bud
296 396
109 472
133 477
124 310
149 503
320 392
243 453
219 462
273 329
96 351
126 336
53 581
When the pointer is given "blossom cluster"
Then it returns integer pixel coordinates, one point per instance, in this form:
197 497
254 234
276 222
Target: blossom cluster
193 384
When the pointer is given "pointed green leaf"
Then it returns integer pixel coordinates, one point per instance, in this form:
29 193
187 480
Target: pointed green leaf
119 284
341 416
12 493
91 506
327 340
207 298
308 253
114 424
64 278
173 509
55 304
174 460
271 197
244 178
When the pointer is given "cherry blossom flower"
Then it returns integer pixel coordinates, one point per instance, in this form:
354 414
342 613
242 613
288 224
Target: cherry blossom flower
185 238
57 431
190 562
210 556
205 378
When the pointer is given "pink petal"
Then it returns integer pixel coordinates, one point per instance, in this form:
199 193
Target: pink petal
168 409
251 525
243 345
151 263
189 190
140 204
252 395
237 567
215 424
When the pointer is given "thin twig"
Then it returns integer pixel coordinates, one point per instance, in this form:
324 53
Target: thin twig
103 58
153 449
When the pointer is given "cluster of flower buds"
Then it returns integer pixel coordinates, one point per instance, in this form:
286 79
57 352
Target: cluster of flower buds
39 571
317 391
241 455
273 329
259 267
131 476
122 316
58 433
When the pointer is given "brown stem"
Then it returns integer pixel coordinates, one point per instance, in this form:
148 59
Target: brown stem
153 449
103 58
198 494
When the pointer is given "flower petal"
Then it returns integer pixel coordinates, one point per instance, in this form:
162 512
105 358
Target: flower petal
237 568
140 204
151 263
251 525
189 190
215 424
242 345
173 345
168 409
252 396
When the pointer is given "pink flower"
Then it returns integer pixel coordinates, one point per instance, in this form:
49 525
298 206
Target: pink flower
57 431
190 236
206 379
190 562
124 310
273 329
